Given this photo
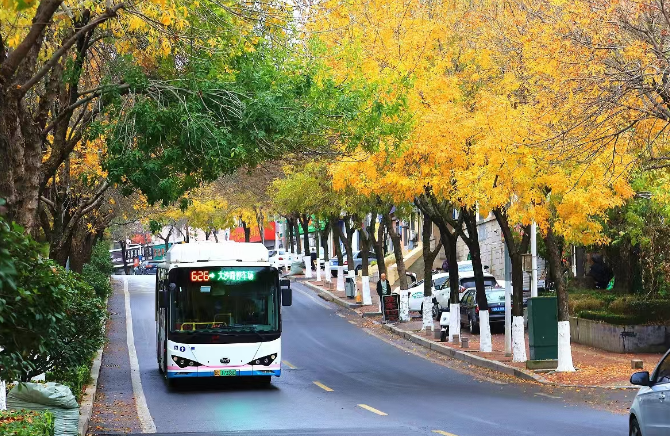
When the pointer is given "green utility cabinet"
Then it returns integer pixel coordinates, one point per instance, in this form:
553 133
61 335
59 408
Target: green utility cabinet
543 328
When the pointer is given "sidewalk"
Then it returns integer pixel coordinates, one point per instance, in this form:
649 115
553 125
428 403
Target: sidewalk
595 367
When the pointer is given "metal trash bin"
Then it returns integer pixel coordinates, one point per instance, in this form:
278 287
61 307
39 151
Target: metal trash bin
350 287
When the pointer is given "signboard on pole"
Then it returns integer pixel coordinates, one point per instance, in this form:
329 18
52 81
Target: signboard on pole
391 307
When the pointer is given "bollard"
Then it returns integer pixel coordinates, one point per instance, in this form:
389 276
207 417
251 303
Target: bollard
437 334
455 339
443 335
465 343
636 364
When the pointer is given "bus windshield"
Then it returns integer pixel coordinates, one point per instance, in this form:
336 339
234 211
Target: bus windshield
224 299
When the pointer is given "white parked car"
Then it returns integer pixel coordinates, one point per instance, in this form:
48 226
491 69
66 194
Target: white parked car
650 412
279 258
466 280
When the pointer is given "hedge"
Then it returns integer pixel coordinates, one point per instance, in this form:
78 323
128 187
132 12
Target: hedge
75 378
26 423
97 271
631 312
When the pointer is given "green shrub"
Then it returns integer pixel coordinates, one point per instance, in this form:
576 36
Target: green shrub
26 423
76 379
577 305
49 318
97 271
611 318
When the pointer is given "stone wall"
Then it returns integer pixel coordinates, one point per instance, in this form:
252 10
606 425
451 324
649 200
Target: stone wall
620 339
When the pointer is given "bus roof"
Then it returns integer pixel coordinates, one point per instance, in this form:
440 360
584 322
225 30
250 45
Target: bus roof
198 252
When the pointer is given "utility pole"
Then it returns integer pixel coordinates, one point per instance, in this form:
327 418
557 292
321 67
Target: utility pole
508 303
533 254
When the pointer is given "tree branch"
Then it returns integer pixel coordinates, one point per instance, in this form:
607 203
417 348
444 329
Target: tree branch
42 18
109 13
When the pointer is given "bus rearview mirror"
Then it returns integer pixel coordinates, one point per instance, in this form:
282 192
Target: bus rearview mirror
286 296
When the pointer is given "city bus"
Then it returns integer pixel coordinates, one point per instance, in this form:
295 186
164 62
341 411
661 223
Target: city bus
218 312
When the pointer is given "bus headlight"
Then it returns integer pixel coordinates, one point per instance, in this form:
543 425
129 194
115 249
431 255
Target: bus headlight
265 360
183 362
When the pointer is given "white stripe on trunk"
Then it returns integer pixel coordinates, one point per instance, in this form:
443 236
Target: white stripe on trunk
454 320
327 273
340 278
485 344
428 314
318 270
308 266
3 396
518 340
367 299
564 348
404 305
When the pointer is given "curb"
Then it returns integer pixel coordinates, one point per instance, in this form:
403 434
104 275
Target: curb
465 357
486 363
329 296
86 406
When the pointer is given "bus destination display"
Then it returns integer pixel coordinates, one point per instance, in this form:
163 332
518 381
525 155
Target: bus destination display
201 276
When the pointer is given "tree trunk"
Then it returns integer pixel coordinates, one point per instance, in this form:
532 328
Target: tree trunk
397 251
335 227
304 222
516 249
428 256
472 241
289 224
324 240
247 231
378 244
296 227
564 347
216 235
347 240
365 250
82 248
207 233
126 267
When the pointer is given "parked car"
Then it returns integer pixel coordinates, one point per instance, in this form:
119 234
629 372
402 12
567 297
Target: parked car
495 297
358 262
466 280
149 266
650 412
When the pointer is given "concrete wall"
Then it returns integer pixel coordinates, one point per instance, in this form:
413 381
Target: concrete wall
620 339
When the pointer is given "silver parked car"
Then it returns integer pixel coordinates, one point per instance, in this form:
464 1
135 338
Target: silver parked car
650 412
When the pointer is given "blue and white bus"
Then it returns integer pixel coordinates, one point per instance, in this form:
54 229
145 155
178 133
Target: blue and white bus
218 311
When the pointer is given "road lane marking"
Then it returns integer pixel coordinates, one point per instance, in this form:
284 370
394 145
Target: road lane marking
340 315
316 300
548 396
146 421
372 409
444 433
289 364
352 322
322 386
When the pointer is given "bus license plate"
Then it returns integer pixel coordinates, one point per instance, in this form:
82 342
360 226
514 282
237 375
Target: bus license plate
225 372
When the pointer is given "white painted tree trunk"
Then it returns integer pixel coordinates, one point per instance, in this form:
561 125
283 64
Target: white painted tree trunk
518 340
340 278
564 348
3 396
318 270
404 306
454 320
308 266
367 299
428 314
327 273
485 343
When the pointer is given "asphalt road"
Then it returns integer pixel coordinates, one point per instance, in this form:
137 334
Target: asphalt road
374 388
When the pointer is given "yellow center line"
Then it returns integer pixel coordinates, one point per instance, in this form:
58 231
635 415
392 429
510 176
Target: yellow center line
372 409
444 433
322 386
289 364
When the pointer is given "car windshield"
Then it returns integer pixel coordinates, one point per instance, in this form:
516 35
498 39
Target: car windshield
489 282
495 296
224 299
439 282
464 267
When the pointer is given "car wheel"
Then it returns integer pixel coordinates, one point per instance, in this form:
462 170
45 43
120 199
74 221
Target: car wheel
358 269
634 428
333 273
474 328
437 311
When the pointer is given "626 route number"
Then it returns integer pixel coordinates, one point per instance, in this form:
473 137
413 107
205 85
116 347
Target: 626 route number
199 276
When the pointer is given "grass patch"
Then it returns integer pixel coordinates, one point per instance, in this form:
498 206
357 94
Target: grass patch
26 423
